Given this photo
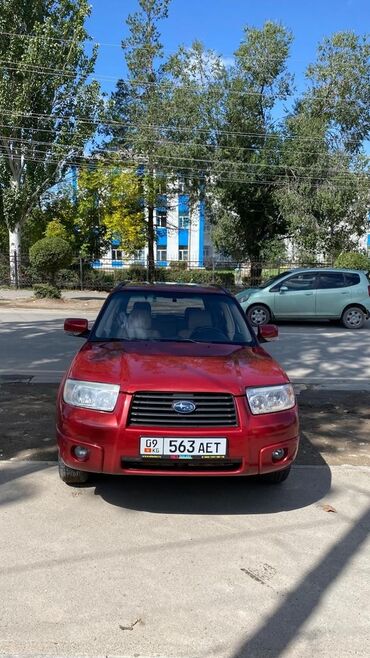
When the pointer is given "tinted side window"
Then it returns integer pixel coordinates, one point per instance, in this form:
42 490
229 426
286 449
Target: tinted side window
300 281
352 279
329 280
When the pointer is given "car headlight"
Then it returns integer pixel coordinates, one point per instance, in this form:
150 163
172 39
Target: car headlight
267 399
91 395
243 298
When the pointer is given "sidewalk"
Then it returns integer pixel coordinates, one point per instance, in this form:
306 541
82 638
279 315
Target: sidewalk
185 568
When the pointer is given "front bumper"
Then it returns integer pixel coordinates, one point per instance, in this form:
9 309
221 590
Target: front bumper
114 446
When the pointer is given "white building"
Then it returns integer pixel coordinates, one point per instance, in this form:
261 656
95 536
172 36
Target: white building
181 235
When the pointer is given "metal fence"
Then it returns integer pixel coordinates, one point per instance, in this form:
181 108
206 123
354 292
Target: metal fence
103 274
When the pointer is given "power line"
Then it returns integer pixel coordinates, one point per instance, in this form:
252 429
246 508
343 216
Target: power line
163 84
70 147
93 41
215 130
215 147
195 172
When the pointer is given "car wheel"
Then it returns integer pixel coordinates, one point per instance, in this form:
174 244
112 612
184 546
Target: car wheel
276 477
71 475
258 315
353 318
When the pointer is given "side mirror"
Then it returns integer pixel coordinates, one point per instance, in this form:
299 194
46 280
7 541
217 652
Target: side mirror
76 327
284 289
267 332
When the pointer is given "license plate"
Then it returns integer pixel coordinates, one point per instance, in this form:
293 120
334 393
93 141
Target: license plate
182 448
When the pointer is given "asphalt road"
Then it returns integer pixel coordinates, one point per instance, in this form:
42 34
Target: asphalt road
168 567
32 343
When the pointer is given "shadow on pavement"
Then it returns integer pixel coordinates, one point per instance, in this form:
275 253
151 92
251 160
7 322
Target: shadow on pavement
17 488
283 626
172 495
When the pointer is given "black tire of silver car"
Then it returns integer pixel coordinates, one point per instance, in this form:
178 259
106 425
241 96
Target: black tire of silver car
258 315
276 477
353 318
71 475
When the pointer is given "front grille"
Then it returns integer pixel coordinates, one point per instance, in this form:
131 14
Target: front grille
182 465
155 409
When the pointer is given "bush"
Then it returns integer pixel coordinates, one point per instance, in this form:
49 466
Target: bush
178 265
135 273
99 280
353 260
4 273
50 255
225 279
46 291
68 279
55 229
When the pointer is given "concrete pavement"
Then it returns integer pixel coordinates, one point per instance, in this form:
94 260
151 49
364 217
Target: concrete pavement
171 567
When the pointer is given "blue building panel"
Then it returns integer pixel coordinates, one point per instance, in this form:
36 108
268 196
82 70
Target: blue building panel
162 237
183 237
162 202
183 203
117 263
368 240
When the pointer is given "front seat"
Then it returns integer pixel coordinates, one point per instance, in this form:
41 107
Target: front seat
196 319
139 323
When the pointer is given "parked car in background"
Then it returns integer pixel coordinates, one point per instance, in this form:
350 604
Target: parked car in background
310 294
172 380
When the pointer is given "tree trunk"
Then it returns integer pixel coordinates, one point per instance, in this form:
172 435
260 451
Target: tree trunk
256 273
151 264
14 254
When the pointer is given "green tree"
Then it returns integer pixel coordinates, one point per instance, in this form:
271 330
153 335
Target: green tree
139 103
245 210
55 229
340 83
48 108
326 194
109 199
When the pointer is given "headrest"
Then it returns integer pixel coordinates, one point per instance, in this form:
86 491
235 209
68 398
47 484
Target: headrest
199 318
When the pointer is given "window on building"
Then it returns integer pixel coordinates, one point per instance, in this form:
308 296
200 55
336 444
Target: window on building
162 254
116 254
162 218
183 253
139 255
184 220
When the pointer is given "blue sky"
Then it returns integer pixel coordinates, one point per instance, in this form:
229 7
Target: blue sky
219 24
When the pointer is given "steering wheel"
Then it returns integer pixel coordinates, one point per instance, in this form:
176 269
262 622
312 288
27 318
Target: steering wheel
208 333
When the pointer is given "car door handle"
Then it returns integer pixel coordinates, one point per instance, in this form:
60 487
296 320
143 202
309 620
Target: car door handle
308 294
344 293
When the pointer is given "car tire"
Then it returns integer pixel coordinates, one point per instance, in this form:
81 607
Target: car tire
277 477
71 476
353 318
258 315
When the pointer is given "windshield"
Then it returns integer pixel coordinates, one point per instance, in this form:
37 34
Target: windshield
274 279
171 316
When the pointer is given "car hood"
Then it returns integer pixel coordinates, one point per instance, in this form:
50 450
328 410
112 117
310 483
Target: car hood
244 294
145 366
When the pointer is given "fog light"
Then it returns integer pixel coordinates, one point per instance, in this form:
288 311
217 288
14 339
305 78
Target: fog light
278 454
81 453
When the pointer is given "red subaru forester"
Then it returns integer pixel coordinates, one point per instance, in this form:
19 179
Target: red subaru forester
173 381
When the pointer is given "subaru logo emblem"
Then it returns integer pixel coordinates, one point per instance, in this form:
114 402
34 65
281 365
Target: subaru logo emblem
184 407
